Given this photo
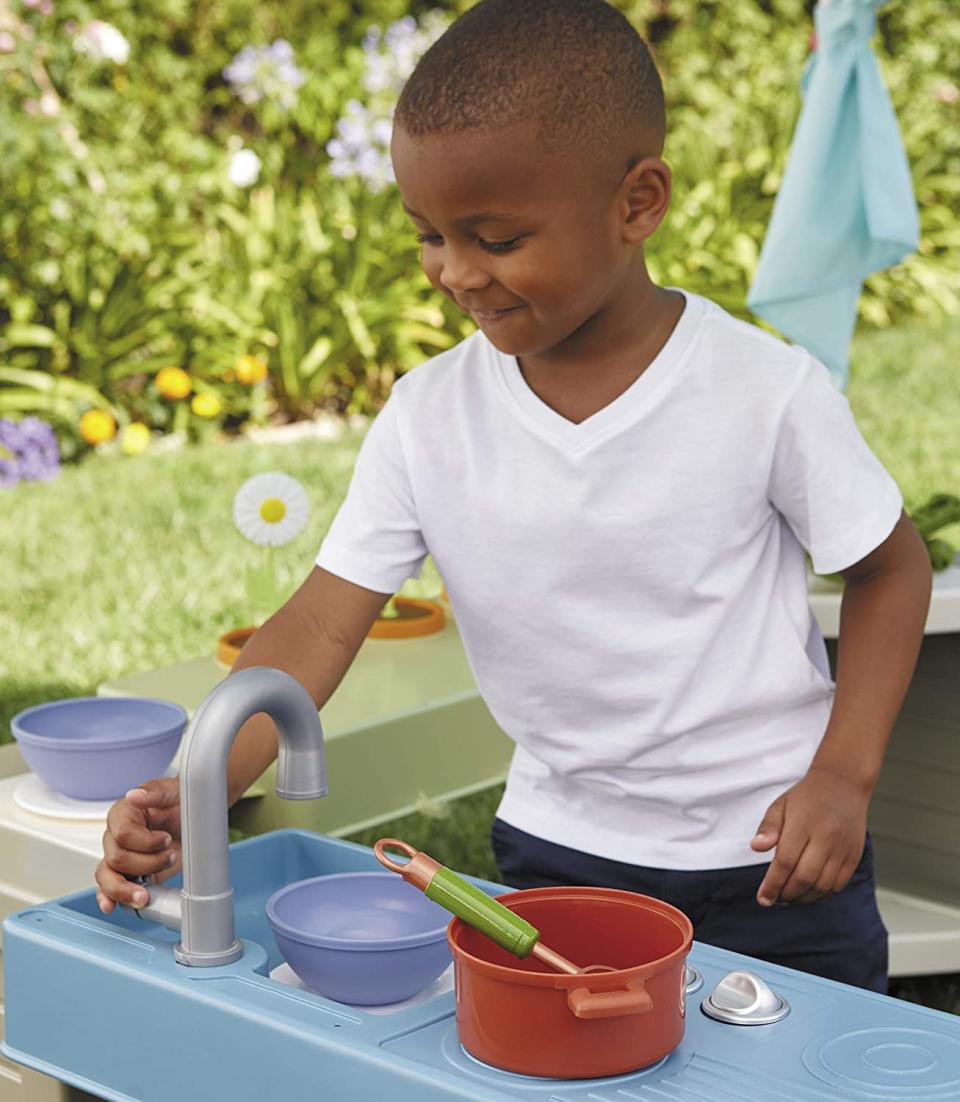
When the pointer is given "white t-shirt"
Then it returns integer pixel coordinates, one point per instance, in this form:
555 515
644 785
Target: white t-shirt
631 590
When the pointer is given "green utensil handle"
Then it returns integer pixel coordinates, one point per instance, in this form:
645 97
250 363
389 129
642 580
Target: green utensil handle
478 910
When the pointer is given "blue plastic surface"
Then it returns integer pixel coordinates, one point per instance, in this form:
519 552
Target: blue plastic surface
97 748
360 937
99 1002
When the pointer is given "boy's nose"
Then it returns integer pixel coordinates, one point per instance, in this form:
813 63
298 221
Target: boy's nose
460 276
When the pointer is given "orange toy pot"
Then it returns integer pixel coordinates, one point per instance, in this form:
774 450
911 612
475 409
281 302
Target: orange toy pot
415 617
519 1016
231 643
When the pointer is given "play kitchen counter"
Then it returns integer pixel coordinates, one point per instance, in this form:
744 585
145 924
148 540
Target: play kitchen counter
183 998
40 857
102 1004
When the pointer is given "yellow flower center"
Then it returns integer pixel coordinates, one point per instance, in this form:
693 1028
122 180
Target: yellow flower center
273 510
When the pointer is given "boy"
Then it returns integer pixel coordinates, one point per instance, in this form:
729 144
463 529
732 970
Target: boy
632 476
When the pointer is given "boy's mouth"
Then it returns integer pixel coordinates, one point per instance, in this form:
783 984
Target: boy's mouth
493 315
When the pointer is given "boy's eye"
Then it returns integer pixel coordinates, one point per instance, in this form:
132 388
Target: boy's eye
490 246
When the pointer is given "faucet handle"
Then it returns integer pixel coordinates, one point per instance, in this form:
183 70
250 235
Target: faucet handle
162 905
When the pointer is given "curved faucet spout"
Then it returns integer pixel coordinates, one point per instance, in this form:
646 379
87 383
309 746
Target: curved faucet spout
207 922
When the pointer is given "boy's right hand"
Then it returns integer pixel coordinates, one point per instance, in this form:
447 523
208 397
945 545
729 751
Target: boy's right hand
142 839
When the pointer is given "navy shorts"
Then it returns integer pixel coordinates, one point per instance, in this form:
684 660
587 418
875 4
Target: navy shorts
840 936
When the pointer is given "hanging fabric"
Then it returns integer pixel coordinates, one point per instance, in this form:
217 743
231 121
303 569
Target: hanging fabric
846 206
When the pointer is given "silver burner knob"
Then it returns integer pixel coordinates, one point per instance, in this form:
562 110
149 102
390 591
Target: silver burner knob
692 980
741 998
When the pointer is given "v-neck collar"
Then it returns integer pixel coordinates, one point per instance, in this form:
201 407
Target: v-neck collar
662 371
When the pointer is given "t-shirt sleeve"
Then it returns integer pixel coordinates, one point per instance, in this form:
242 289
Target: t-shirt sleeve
375 538
838 499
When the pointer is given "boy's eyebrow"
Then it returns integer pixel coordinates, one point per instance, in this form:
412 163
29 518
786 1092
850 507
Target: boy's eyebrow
471 219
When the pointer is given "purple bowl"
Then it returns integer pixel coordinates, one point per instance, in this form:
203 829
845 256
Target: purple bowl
99 747
364 938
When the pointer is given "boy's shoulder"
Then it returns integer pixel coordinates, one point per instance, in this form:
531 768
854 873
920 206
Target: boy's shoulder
751 353
447 371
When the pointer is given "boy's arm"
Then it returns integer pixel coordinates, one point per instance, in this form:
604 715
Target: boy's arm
314 638
818 825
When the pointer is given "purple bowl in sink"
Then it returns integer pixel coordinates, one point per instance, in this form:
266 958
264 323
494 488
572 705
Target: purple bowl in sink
364 938
99 747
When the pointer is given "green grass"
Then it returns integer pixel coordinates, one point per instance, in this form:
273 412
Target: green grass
126 564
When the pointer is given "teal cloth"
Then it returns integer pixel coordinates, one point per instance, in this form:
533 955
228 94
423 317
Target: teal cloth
846 207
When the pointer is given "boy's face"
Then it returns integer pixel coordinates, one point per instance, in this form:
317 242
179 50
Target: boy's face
531 245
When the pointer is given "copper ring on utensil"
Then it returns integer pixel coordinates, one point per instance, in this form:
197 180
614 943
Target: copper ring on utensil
404 847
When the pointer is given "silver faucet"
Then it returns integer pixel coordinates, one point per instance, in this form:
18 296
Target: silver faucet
202 910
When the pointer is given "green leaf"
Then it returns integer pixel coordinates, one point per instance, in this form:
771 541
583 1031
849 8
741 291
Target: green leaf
316 357
355 323
29 336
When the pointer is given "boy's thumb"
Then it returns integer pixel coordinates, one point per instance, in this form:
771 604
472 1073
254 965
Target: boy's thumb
160 793
768 832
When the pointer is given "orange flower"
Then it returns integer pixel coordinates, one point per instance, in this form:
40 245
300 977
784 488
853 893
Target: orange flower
173 382
250 369
97 426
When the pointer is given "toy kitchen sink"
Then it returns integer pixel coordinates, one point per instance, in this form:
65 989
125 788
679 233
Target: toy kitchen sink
184 999
100 1002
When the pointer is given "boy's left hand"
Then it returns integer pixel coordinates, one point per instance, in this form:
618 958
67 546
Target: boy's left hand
818 827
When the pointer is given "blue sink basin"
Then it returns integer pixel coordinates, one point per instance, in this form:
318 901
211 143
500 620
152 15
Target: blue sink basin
99 1002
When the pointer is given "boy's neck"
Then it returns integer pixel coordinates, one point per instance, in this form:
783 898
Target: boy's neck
606 355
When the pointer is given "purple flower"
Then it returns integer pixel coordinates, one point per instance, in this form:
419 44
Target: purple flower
361 146
266 72
392 54
28 451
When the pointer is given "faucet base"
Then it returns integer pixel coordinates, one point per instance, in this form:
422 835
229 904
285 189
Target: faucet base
208 960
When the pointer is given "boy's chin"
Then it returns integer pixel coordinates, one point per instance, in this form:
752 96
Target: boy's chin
504 344
510 344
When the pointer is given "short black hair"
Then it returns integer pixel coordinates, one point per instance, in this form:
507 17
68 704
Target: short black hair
578 68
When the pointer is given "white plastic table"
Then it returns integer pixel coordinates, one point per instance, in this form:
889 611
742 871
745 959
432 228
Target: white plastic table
406 724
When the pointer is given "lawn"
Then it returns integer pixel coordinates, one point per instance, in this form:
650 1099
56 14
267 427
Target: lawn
127 563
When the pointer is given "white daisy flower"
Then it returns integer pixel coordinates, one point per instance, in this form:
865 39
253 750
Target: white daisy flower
271 509
103 42
244 169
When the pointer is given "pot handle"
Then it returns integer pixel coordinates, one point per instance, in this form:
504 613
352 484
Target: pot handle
632 999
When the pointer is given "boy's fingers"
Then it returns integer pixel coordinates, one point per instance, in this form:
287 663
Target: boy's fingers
847 869
127 831
161 792
131 845
117 888
129 825
808 882
768 832
163 818
129 862
781 869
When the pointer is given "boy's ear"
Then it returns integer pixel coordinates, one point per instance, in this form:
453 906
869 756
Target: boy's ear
644 198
